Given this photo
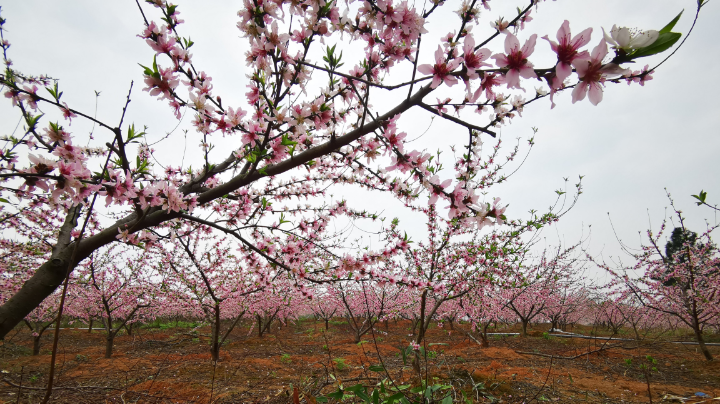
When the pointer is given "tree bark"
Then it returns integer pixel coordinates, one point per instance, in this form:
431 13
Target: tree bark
215 348
109 340
483 336
36 345
701 343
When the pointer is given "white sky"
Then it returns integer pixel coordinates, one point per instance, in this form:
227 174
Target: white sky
629 148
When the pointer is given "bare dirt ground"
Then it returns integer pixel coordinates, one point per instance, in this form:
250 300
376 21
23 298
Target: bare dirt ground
173 366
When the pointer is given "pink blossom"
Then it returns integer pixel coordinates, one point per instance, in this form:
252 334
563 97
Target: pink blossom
640 76
592 74
164 82
472 59
67 113
567 51
515 60
441 71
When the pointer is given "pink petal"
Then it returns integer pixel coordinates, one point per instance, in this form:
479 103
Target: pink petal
553 44
439 55
529 46
469 44
528 72
581 66
562 71
512 78
436 81
595 94
500 60
450 81
511 43
425 69
600 51
579 92
564 32
582 39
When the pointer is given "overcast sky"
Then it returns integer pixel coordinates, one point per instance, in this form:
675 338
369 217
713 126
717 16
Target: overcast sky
637 142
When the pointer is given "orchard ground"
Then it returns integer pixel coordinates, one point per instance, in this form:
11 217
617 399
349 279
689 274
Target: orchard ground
171 364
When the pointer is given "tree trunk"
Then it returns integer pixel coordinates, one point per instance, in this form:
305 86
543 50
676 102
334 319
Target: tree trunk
421 333
415 323
109 340
483 336
36 345
701 343
326 324
524 328
260 326
90 326
452 327
215 348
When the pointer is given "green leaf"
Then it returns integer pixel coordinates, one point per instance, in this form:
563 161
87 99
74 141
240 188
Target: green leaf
663 43
32 121
3 200
359 391
395 397
447 400
54 92
672 23
148 71
338 395
377 368
701 197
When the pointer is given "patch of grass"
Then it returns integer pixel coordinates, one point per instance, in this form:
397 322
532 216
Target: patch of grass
166 325
340 364
285 358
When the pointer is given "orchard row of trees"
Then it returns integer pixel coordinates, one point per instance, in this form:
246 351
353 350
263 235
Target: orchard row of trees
199 277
